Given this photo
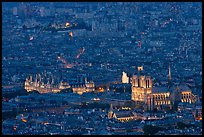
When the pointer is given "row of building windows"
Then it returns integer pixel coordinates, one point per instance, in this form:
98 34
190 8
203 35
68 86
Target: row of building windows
125 119
186 95
186 100
162 102
164 96
142 83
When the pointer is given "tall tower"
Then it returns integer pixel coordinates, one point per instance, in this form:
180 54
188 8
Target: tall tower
169 78
169 73
140 68
52 80
141 87
125 78
110 113
27 84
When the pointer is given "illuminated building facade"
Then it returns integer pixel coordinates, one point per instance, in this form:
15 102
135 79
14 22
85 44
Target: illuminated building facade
153 97
82 88
86 86
110 113
125 78
90 86
124 116
41 87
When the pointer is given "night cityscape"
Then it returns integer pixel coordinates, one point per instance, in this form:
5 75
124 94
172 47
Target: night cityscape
102 68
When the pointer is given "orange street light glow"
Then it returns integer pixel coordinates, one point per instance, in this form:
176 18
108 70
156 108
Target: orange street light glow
71 34
67 24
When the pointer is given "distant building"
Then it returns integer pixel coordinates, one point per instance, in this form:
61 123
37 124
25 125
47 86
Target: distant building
124 116
110 113
154 97
125 78
39 85
82 88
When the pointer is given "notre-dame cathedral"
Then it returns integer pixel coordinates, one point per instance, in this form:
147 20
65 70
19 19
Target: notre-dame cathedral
155 97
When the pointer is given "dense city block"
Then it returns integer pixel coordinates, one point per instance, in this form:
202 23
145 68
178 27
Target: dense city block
102 68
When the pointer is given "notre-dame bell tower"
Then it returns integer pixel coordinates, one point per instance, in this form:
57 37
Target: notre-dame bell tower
141 87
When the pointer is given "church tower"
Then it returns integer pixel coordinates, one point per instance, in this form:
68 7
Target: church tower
169 73
125 78
141 86
169 77
110 113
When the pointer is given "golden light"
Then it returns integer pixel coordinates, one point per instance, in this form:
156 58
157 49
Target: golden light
45 123
101 89
69 65
140 68
96 99
200 118
24 120
71 34
126 108
186 92
67 24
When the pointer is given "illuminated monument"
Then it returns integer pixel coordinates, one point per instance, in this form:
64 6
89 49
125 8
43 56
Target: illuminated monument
45 85
85 87
125 78
154 97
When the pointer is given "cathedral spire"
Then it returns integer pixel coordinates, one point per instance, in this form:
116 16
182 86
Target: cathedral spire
169 78
169 73
111 108
86 80
110 113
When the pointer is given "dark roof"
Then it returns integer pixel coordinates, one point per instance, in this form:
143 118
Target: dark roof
159 89
183 87
77 85
138 111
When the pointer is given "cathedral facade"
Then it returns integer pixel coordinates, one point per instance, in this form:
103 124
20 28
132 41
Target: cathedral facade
155 97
